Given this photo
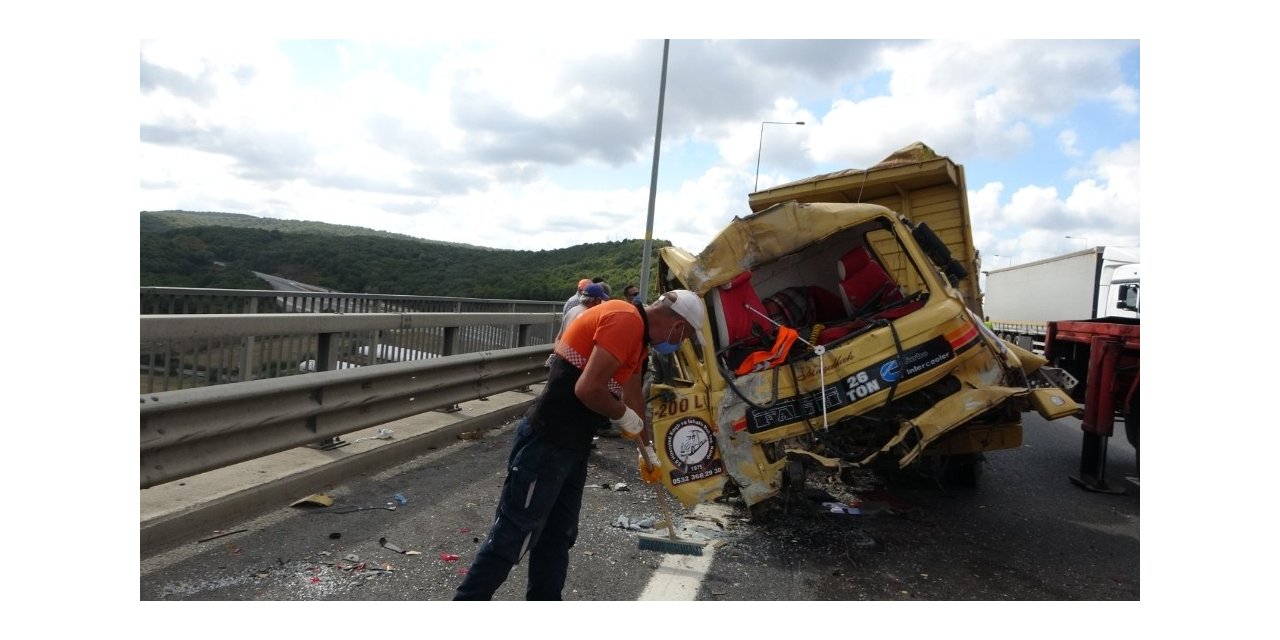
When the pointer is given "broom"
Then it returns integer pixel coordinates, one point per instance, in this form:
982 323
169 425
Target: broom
670 544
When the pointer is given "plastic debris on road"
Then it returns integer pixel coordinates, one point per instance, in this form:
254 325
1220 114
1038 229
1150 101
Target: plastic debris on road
450 557
637 524
399 497
314 500
382 434
840 507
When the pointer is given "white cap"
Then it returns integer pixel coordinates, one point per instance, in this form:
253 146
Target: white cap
690 307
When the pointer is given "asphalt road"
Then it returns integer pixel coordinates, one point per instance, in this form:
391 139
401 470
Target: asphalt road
1026 533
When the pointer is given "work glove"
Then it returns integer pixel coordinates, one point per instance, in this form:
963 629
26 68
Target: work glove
650 466
629 424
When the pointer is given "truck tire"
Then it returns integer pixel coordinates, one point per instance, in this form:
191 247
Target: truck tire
1131 423
963 470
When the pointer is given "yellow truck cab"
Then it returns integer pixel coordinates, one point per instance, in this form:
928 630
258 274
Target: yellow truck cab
841 333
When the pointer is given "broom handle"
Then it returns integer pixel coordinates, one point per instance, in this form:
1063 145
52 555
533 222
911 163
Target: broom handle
662 500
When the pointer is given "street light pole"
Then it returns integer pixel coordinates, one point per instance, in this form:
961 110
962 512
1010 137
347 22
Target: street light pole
653 178
760 147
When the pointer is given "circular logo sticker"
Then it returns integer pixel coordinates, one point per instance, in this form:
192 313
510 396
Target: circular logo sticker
690 443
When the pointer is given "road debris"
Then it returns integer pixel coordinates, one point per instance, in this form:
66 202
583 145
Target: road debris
396 548
388 507
637 524
218 533
382 434
840 507
314 500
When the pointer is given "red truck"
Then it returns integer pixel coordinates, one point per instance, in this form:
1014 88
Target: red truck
1103 355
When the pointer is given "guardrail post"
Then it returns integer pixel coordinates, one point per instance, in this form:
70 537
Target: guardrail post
373 346
450 345
327 360
449 348
246 357
523 341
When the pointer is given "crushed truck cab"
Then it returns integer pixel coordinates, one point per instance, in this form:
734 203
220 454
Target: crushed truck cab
839 335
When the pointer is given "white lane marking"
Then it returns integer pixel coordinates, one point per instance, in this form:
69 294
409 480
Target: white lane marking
679 577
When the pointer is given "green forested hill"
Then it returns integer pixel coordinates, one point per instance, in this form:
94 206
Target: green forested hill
220 250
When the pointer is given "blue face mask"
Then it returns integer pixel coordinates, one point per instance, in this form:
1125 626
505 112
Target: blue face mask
667 347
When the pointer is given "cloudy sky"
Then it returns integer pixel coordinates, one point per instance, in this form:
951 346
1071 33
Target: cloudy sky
546 143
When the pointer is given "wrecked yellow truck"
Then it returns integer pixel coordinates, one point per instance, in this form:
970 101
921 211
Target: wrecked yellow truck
844 332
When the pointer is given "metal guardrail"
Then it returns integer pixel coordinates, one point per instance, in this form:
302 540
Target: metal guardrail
181 351
181 300
190 431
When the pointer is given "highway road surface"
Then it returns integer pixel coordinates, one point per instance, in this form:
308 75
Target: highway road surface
1026 533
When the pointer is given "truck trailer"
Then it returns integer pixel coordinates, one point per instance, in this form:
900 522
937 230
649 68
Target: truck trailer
1104 356
1100 282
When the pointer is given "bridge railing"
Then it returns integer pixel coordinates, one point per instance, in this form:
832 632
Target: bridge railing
192 430
255 351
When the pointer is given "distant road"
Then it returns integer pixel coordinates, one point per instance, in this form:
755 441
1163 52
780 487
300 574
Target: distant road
284 284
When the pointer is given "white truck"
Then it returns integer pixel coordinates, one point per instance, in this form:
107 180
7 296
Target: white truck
1100 282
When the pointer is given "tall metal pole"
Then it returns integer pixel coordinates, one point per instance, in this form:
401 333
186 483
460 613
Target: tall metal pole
653 180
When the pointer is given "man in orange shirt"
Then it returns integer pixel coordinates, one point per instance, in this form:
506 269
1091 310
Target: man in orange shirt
596 379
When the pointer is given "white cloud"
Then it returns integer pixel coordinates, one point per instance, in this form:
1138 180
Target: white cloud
1101 207
1067 141
1033 206
461 147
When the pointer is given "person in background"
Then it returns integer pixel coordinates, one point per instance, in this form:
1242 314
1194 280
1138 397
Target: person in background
592 295
595 379
631 293
575 299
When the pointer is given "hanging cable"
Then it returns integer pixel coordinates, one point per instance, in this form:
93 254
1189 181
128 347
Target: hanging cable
819 351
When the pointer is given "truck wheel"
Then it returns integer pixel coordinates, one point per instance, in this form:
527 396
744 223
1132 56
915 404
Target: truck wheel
1131 423
963 470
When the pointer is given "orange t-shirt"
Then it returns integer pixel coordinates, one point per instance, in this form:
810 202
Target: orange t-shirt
616 327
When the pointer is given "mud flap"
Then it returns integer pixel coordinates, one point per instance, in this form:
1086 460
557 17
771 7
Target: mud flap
1053 403
944 416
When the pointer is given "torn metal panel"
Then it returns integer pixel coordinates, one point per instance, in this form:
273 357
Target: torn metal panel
830 463
775 232
1052 404
917 433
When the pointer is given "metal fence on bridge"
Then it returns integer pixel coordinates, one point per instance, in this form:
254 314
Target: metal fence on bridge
181 360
